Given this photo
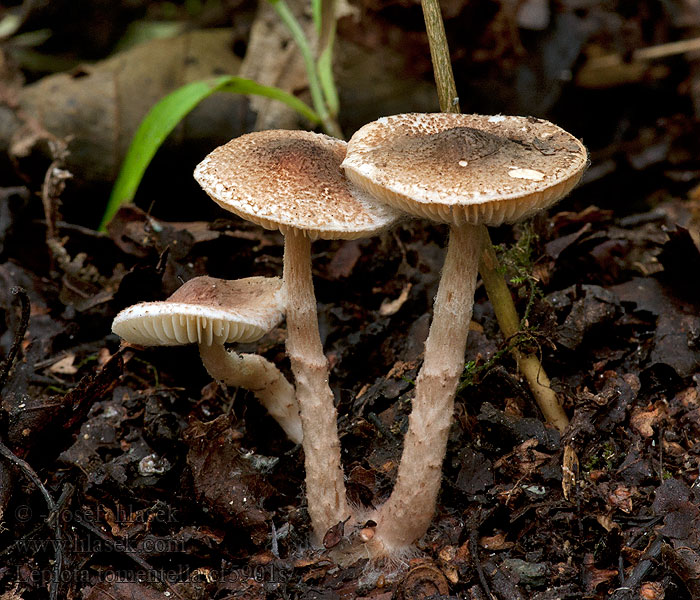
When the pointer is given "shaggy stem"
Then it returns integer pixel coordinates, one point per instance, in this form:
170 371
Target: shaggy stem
494 283
257 374
325 488
408 512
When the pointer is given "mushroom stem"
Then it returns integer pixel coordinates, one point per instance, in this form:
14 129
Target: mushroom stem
325 488
257 374
406 515
509 322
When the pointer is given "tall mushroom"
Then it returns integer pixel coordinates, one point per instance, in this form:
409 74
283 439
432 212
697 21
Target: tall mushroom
212 312
465 170
292 181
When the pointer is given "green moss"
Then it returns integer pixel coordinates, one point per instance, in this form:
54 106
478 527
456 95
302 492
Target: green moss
605 459
517 264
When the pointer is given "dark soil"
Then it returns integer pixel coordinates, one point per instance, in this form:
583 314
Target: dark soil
128 473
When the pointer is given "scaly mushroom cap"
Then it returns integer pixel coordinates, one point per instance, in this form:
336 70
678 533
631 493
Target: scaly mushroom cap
459 168
206 310
292 180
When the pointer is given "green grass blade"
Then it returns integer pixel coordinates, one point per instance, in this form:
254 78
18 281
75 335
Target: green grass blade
326 27
325 76
316 13
164 117
299 37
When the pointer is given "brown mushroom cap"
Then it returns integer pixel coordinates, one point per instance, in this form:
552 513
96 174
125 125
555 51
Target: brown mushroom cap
206 310
292 180
459 168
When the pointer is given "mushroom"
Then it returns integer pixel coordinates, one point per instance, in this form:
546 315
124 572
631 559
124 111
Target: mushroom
292 181
467 171
212 312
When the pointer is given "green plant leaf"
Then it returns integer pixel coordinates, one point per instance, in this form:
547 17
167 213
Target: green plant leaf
164 117
321 93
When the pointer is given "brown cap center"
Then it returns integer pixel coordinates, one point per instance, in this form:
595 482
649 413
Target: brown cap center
451 145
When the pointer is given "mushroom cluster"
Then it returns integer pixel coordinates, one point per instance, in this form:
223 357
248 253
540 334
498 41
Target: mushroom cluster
465 170
292 181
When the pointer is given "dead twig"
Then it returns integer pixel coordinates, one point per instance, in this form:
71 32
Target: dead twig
474 551
30 474
51 190
640 571
21 293
21 464
128 551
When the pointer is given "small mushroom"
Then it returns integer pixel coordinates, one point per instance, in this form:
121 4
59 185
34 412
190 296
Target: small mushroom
292 181
467 171
212 312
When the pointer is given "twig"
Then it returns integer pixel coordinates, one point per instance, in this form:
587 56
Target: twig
54 182
440 54
383 429
128 551
51 189
474 551
23 465
640 571
646 54
661 456
19 334
30 473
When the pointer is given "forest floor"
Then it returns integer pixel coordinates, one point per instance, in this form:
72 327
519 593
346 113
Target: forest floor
128 473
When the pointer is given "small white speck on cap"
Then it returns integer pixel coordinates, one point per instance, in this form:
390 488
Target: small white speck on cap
463 163
531 174
497 119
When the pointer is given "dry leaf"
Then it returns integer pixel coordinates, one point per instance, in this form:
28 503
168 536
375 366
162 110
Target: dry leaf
593 577
64 366
447 559
621 498
652 590
644 419
569 471
606 522
495 542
